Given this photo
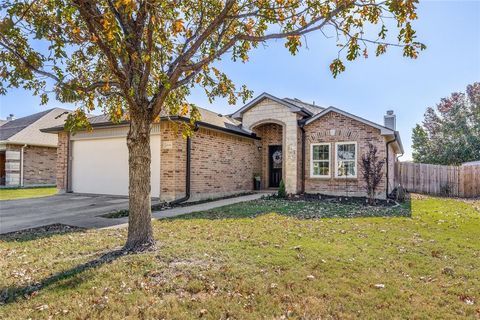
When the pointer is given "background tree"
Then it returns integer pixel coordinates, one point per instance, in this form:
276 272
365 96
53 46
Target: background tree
140 59
371 167
450 133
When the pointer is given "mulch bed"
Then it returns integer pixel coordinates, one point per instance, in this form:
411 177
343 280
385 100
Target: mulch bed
339 199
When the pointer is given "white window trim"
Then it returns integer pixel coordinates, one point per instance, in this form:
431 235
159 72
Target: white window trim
337 160
329 161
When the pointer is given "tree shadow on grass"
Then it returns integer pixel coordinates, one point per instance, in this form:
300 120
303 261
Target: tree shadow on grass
39 233
312 209
13 293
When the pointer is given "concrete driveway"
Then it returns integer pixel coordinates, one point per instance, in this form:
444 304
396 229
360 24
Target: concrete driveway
71 209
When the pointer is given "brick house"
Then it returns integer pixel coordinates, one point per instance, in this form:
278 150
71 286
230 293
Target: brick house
312 149
28 156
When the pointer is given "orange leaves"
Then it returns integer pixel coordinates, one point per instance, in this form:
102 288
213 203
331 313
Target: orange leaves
249 27
108 27
177 26
293 42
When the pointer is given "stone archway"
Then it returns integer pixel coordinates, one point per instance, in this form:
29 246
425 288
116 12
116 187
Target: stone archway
268 111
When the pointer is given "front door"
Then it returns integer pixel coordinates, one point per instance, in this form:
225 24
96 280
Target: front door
275 165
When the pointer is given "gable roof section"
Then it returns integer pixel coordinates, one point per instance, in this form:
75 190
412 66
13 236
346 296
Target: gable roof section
13 127
26 130
384 131
293 107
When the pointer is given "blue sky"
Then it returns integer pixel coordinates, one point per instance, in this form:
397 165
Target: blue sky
369 87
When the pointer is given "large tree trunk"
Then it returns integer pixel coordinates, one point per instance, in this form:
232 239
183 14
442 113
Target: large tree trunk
140 234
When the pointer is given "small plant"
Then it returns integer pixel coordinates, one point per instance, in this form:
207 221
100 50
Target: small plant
371 168
281 190
446 189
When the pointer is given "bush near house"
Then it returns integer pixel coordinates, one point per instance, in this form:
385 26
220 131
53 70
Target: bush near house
426 266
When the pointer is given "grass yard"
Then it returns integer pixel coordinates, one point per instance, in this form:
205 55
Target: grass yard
273 266
12 194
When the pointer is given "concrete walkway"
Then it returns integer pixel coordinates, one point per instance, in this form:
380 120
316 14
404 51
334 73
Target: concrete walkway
205 206
178 211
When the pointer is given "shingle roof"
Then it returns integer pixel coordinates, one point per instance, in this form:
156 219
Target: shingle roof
27 129
208 118
314 109
13 127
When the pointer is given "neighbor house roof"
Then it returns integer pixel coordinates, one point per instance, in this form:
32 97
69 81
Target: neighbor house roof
26 130
297 107
208 119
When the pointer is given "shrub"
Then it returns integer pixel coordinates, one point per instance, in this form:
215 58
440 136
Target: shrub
281 190
371 168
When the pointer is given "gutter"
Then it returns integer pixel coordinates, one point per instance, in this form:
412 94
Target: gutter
387 144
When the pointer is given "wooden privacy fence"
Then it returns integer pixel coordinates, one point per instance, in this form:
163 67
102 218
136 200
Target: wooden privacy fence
454 181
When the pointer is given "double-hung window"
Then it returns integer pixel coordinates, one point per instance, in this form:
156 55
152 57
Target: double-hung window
320 160
346 160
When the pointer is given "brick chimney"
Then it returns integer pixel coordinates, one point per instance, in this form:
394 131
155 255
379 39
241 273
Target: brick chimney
390 120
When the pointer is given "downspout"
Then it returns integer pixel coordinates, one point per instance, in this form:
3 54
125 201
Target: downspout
21 164
187 172
387 144
303 157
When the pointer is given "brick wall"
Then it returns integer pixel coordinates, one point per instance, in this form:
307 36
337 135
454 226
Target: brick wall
271 134
62 161
39 165
221 164
345 130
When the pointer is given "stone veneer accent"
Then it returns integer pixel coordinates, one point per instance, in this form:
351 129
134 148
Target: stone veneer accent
346 129
269 111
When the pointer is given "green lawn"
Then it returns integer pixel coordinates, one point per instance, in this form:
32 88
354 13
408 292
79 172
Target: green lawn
11 194
272 266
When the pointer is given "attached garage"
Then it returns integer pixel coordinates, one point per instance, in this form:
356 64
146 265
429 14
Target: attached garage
99 162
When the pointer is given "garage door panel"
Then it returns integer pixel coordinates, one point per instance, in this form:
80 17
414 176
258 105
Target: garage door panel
101 166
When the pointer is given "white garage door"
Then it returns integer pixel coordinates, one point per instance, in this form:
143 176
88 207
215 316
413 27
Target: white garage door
100 166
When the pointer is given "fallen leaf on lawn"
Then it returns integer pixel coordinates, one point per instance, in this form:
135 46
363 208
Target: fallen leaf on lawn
41 307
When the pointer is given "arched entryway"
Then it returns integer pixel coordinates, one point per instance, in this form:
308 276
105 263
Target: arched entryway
272 150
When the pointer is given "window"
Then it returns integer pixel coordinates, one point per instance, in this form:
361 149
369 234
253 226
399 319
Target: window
346 160
320 160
